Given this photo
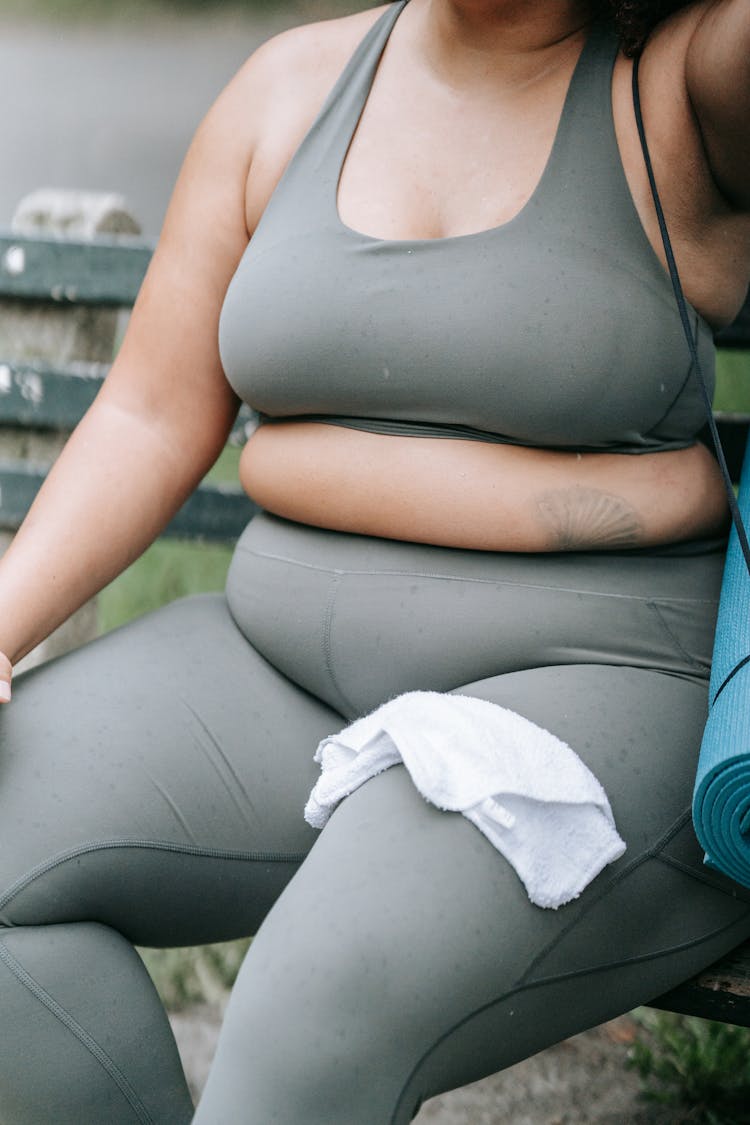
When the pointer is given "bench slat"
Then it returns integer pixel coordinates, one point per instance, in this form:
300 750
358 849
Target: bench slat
46 398
61 270
37 396
733 430
737 335
721 992
215 512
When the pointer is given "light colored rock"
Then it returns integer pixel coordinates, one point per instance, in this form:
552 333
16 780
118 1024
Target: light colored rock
74 214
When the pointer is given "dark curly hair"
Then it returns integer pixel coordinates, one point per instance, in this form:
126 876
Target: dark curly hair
635 18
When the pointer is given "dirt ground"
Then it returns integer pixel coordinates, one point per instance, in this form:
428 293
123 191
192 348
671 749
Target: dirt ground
579 1082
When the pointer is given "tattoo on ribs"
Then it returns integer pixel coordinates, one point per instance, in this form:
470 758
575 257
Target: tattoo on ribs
581 519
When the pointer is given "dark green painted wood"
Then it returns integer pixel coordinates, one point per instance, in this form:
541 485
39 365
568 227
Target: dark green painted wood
721 992
45 398
244 425
69 271
214 512
706 1003
737 335
733 430
55 398
19 483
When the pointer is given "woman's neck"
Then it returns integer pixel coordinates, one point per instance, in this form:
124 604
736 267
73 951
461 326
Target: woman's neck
520 40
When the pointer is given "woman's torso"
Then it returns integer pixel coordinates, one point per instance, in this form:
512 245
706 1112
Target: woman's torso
547 347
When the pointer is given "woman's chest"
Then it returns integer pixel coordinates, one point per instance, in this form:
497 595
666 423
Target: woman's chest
546 341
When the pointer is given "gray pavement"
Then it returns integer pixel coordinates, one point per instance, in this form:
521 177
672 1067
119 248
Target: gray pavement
113 106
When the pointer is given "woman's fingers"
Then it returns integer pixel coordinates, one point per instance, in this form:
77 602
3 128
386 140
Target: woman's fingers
6 674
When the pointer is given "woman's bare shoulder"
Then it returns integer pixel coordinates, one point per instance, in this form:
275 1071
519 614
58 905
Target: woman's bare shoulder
311 52
696 62
275 97
695 92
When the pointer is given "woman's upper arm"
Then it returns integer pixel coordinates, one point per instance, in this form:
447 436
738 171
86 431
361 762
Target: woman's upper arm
717 74
168 369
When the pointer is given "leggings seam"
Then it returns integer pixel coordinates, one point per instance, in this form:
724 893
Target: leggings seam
152 845
688 373
105 1061
336 577
678 864
634 864
526 985
339 572
674 640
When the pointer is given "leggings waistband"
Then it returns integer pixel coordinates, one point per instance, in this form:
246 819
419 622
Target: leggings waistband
355 619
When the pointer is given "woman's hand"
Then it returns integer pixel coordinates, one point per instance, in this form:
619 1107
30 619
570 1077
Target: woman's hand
6 674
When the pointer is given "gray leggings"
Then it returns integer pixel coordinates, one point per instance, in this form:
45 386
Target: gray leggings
151 792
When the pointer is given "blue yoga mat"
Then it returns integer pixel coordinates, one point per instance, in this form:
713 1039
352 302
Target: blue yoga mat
721 801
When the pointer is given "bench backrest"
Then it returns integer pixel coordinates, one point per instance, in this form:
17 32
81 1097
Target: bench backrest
60 307
733 425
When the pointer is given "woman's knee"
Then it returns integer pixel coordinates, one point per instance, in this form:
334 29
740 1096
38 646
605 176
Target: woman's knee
138 774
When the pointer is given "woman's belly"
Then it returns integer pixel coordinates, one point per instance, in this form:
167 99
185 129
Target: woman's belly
469 494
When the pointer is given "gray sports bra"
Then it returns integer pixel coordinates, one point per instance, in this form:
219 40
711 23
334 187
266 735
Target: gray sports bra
556 329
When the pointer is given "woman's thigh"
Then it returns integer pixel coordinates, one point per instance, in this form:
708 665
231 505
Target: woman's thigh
404 958
154 781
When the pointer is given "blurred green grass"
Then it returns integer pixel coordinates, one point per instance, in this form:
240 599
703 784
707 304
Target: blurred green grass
733 381
170 568
198 975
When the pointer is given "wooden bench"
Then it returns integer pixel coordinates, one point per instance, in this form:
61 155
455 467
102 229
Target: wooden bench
68 267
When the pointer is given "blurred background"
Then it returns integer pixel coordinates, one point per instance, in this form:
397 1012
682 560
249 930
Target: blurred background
106 94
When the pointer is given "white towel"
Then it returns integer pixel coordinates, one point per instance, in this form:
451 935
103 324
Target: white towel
528 792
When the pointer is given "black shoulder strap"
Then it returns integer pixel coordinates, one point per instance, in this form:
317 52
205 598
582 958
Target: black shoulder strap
676 285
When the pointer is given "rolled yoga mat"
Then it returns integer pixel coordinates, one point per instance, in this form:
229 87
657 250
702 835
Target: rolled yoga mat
721 800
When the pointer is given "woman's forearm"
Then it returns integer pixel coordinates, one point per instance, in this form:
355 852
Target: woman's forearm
117 483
